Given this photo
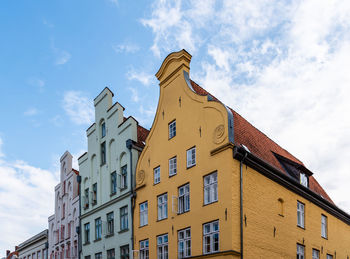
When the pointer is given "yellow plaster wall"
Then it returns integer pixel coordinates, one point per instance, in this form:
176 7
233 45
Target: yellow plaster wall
262 213
196 123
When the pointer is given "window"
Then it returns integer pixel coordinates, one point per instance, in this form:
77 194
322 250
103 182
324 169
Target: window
156 172
303 180
39 254
103 153
300 251
123 180
191 157
315 254
280 207
113 183
162 246
210 188
86 198
94 194
211 237
124 218
110 223
144 252
172 166
87 257
98 256
184 198
324 226
98 228
143 214
162 206
87 232
63 210
103 130
329 256
172 129
184 243
124 252
111 254
301 214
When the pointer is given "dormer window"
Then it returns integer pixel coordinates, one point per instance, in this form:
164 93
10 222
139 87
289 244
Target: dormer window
103 130
304 180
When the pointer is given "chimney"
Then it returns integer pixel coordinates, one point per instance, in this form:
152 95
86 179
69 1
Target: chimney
16 248
8 253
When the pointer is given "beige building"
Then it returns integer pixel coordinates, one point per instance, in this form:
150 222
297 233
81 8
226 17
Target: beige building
35 247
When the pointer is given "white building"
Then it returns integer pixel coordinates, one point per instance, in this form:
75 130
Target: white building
34 248
107 181
63 237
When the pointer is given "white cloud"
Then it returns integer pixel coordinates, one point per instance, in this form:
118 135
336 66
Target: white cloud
62 57
48 24
26 192
78 107
116 2
31 112
1 152
134 94
140 76
282 64
126 48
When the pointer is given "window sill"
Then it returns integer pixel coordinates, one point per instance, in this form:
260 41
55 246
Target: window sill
326 238
156 183
86 243
113 194
158 220
281 215
124 188
109 235
143 226
96 240
189 167
171 175
206 204
183 213
124 230
301 227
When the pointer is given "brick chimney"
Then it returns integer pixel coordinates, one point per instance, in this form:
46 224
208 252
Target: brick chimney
8 253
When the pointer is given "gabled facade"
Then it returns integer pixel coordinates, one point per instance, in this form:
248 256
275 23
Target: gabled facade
209 184
107 180
63 237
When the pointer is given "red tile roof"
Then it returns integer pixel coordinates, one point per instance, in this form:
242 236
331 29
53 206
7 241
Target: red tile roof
261 145
142 134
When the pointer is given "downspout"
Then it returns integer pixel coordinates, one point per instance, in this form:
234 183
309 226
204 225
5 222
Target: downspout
78 229
241 200
130 145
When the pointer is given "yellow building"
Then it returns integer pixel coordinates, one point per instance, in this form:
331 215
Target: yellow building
209 184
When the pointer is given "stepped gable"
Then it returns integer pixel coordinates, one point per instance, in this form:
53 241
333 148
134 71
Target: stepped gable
261 145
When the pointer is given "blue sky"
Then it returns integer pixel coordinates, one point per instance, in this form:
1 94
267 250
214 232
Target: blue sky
282 64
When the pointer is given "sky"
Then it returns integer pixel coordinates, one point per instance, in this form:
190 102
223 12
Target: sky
283 65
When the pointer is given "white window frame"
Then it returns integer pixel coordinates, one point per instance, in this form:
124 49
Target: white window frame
329 256
315 254
172 129
324 223
162 247
143 214
162 205
210 188
98 228
300 214
304 180
124 218
209 231
156 175
184 243
123 177
173 166
191 157
183 199
300 252
110 223
144 249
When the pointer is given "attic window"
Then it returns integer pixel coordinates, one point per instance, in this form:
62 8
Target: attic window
304 180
